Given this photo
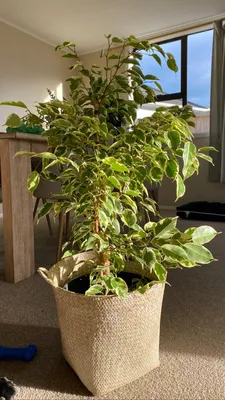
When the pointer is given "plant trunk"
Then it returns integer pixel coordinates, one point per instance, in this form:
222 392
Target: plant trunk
106 263
96 216
105 256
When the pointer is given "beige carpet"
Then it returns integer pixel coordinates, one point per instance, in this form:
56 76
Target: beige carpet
192 348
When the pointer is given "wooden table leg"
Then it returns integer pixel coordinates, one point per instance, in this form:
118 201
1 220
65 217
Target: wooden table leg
17 211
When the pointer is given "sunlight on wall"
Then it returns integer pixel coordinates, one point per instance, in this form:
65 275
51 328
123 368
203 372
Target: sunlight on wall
59 91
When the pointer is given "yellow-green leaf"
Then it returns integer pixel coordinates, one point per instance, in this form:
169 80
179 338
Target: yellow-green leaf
175 139
117 40
203 234
180 187
171 63
149 256
49 156
189 155
129 218
94 289
172 169
175 252
207 148
156 174
162 228
114 181
205 157
104 221
13 103
116 226
13 121
198 253
134 193
33 181
149 226
160 272
157 58
115 165
45 209
119 286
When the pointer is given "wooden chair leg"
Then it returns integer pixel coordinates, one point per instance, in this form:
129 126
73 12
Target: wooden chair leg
48 219
60 236
67 225
36 207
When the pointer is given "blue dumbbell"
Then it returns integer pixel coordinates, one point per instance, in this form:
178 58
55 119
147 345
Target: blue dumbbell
20 353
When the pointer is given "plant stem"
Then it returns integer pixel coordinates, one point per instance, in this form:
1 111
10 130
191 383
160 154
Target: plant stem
106 263
107 59
113 76
104 256
73 50
96 216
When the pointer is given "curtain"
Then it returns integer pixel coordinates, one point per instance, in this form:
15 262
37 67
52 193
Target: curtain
217 106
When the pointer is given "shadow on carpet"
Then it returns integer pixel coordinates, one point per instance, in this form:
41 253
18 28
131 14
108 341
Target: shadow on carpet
48 370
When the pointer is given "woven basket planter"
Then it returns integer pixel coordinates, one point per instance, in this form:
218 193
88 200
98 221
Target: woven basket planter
108 341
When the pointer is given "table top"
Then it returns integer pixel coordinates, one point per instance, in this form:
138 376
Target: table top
23 136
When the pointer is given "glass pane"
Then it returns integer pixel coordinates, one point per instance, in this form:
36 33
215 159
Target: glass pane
169 80
199 68
199 78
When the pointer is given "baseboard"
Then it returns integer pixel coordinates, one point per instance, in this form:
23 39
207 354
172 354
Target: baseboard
169 208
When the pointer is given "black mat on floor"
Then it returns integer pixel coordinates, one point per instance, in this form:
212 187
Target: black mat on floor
202 210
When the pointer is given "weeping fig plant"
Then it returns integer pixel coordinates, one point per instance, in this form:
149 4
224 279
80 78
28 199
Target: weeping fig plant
107 159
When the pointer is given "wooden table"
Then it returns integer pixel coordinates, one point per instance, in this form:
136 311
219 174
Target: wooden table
18 204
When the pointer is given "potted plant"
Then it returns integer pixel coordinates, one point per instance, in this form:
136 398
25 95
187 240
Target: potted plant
109 287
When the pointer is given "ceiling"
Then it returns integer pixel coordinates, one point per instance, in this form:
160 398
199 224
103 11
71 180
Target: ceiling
86 21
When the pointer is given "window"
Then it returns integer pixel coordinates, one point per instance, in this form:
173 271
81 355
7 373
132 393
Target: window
171 82
191 84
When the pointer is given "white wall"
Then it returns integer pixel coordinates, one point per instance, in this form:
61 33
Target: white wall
27 67
93 58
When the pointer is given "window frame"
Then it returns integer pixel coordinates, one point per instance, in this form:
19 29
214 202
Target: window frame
182 95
